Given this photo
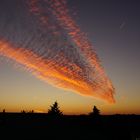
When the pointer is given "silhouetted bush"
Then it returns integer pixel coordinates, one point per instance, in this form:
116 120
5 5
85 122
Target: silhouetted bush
30 111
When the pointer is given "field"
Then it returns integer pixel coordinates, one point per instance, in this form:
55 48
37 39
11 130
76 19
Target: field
40 126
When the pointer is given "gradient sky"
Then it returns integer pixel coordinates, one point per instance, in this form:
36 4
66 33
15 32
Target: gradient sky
114 29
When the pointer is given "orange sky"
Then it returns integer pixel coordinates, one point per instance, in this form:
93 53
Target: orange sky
117 47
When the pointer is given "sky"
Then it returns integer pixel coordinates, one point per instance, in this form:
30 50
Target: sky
113 27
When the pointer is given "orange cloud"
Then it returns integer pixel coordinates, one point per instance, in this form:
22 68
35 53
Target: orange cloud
82 74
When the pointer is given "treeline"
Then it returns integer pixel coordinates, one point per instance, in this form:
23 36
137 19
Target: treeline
54 110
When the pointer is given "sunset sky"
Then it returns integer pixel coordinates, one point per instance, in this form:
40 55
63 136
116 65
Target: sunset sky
113 27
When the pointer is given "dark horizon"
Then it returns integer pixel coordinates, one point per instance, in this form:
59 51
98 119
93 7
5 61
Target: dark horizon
36 126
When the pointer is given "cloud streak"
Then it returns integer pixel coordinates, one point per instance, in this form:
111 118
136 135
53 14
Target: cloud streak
45 39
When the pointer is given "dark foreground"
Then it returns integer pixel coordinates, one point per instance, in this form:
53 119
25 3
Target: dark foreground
41 127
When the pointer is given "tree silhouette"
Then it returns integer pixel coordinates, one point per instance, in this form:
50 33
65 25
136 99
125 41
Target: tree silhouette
31 111
3 111
95 112
54 110
23 111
